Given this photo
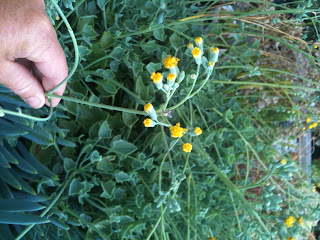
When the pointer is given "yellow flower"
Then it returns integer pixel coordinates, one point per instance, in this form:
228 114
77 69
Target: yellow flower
196 52
293 111
148 123
299 220
171 77
57 18
289 221
283 162
318 184
308 120
170 62
315 46
177 131
213 238
187 147
215 50
156 77
190 46
304 128
291 238
197 131
198 41
211 64
148 107
315 124
314 188
311 126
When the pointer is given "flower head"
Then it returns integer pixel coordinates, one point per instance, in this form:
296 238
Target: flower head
170 62
148 107
177 131
315 46
187 147
213 238
283 162
211 65
148 122
215 50
299 220
197 131
289 221
198 41
156 77
314 188
190 46
308 120
291 238
171 77
196 52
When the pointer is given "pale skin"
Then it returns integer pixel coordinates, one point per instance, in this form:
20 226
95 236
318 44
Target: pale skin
28 41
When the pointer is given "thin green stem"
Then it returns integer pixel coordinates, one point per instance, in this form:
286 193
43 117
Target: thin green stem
69 13
75 45
99 105
190 91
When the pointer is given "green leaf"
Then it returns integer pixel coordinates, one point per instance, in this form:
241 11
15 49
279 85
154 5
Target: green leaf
104 131
150 46
8 129
3 161
102 4
228 114
107 40
21 219
117 53
153 67
121 176
105 163
89 32
137 68
176 41
9 178
129 118
108 189
23 164
14 205
159 34
68 164
123 147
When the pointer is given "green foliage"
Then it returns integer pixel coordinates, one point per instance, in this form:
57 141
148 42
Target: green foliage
120 180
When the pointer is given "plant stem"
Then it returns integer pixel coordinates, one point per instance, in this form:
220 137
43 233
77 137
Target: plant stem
99 105
75 45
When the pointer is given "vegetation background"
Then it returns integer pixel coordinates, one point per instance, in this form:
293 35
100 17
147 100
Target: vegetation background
93 171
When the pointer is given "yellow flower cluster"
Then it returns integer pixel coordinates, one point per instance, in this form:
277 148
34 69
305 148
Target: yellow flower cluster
308 120
171 77
197 131
177 131
313 125
283 162
148 107
198 41
196 52
147 122
170 62
291 238
314 188
156 77
213 238
215 50
289 221
187 147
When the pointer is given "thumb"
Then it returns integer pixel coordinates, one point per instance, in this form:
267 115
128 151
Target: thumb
19 79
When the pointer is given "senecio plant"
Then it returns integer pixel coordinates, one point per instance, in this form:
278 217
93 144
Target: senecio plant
174 77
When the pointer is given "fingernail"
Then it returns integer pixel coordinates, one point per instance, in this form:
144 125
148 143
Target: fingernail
34 102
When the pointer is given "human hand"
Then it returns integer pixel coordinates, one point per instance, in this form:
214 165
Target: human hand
28 41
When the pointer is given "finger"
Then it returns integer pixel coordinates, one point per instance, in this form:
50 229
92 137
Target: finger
20 80
52 65
36 72
24 62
